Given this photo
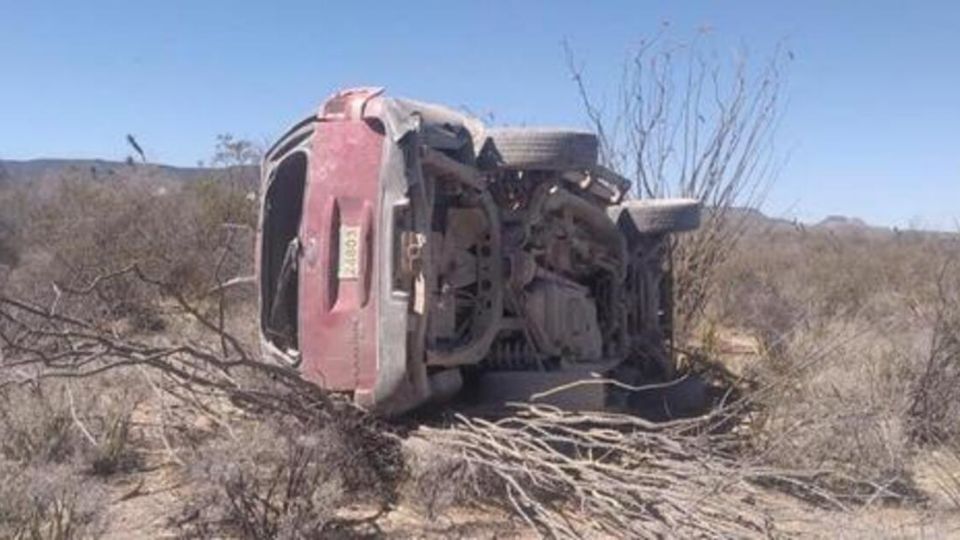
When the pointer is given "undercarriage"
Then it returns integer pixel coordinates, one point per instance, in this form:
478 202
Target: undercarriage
535 273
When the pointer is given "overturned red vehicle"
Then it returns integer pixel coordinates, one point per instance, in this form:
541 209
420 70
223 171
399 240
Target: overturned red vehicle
404 248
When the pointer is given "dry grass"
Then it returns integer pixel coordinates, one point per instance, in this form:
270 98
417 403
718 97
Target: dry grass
188 236
68 436
859 334
279 478
49 502
59 443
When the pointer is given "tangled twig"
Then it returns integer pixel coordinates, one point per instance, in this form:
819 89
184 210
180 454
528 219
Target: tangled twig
571 475
38 343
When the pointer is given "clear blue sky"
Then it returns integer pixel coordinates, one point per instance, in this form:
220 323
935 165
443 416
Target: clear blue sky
871 125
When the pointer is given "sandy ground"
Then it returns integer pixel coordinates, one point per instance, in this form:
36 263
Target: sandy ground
148 501
146 504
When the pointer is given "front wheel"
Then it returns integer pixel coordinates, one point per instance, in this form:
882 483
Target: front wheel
660 216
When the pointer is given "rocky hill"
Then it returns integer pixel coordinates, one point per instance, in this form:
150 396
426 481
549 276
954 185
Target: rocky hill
40 170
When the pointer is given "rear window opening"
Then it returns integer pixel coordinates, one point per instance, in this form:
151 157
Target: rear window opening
280 250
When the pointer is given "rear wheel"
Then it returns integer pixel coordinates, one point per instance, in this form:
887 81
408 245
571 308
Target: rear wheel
540 149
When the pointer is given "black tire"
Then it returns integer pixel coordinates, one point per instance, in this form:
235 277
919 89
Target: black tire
540 149
660 216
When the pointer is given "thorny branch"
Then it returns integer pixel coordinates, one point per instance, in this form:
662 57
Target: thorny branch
38 342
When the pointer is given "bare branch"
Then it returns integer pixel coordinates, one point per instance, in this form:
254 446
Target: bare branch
690 125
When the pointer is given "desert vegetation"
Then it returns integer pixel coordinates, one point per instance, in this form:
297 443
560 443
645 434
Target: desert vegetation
860 329
133 400
120 361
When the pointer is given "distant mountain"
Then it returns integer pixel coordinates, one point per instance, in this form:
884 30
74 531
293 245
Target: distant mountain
842 222
756 222
39 170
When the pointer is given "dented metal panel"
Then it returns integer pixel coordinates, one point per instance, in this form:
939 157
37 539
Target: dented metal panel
337 318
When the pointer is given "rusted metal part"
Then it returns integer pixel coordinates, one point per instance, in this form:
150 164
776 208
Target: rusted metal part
619 184
349 104
490 274
443 167
549 198
599 181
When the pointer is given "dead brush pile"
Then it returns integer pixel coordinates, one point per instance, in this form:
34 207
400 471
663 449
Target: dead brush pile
571 475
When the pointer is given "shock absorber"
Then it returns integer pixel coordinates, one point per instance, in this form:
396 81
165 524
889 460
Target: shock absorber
510 354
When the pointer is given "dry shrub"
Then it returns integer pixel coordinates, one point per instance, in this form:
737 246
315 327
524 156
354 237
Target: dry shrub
279 478
90 229
9 251
819 273
191 235
860 350
10 220
947 469
33 427
86 425
57 442
750 301
49 503
438 479
935 393
836 401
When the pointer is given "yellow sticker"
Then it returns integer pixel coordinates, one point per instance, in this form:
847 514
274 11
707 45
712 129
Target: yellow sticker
349 265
